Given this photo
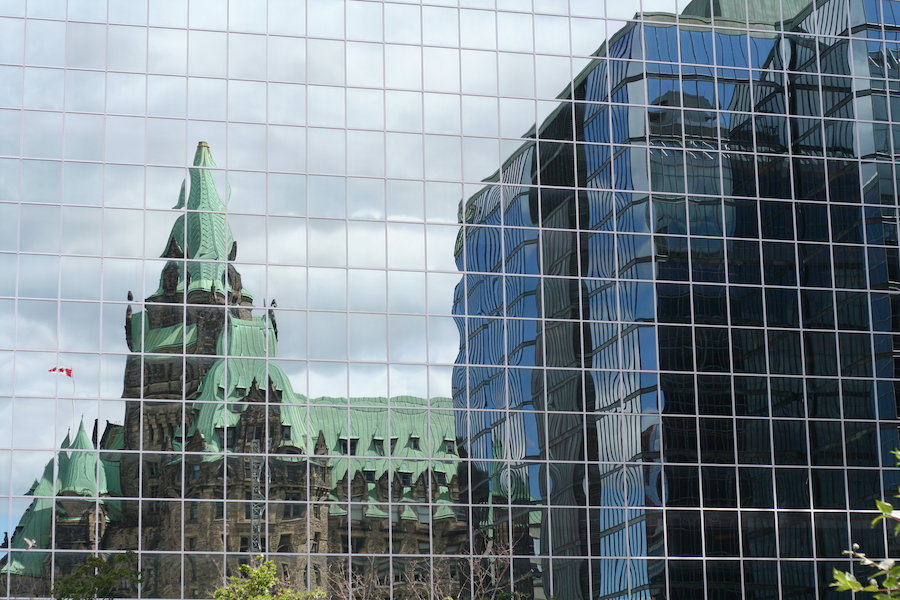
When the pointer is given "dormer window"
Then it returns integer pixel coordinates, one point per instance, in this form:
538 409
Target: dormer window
349 448
393 445
414 443
379 447
405 479
450 446
226 437
370 476
441 478
286 433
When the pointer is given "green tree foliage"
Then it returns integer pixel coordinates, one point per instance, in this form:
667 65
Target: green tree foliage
261 583
884 580
97 579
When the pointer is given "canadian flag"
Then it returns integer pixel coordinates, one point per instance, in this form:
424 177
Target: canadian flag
63 370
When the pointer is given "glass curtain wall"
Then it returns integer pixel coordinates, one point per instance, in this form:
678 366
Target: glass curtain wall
567 298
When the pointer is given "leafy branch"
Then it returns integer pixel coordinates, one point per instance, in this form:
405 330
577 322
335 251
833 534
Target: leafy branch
261 583
885 580
97 578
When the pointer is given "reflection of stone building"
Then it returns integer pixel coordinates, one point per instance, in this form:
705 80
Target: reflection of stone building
219 458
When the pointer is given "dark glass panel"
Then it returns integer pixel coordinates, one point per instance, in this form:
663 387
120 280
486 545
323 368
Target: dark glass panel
856 354
846 225
806 139
831 535
682 486
843 181
878 183
795 539
792 488
708 259
777 220
785 357
722 536
849 267
774 178
557 205
678 394
743 261
712 349
746 306
705 216
714 392
723 577
828 488
673 302
859 402
789 440
740 170
683 532
761 577
826 443
815 265
884 268
821 353
823 398
757 487
741 220
719 487
881 227
871 538
675 349
787 397
771 133
882 318
751 396
753 445
758 534
670 215
798 580
862 444
666 168
680 439
748 350
717 440
779 263
671 258
818 309
781 308
812 222
840 136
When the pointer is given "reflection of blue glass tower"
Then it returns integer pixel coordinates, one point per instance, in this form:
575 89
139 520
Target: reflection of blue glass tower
501 433
717 256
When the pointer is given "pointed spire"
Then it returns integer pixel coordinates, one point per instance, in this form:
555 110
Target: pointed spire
81 478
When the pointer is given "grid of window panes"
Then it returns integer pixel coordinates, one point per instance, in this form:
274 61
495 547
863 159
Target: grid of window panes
572 298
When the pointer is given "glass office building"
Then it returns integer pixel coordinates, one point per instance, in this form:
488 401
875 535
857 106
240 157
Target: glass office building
569 298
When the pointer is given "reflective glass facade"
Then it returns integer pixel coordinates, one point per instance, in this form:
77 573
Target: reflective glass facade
561 297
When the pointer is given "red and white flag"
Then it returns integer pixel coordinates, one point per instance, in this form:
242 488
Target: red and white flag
62 370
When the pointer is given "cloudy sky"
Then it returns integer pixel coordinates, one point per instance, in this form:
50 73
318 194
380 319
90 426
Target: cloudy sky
372 133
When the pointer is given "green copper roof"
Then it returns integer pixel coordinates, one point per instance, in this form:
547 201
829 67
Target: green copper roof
36 524
254 337
202 233
82 477
161 339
